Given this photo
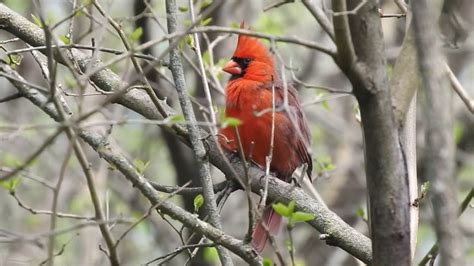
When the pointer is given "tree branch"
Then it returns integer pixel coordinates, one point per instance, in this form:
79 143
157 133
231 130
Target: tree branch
363 61
320 17
403 88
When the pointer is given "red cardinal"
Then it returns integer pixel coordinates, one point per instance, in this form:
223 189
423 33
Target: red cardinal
249 92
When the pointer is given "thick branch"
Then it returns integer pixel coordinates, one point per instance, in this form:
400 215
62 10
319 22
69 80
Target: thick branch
403 87
363 61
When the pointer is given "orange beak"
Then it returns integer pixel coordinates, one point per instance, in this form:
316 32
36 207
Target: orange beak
232 68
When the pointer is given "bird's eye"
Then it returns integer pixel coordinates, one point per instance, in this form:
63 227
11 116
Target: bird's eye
247 61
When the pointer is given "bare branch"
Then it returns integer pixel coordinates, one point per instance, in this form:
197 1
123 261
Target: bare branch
459 89
293 39
321 17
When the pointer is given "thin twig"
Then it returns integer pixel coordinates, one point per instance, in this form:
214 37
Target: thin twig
321 17
180 190
85 47
178 250
202 70
245 162
459 89
54 204
277 4
10 97
349 12
269 157
269 37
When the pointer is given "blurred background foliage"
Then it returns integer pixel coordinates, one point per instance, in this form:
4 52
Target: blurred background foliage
336 135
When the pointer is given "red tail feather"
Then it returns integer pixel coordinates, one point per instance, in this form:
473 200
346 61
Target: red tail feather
260 235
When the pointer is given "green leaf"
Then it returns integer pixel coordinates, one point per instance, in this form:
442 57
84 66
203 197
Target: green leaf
205 4
325 105
325 164
357 115
187 22
136 34
458 132
10 184
79 13
302 217
198 202
37 21
230 121
140 165
329 167
189 40
425 187
288 244
10 160
210 255
281 209
291 207
206 22
70 82
235 25
183 8
267 262
177 118
14 60
65 39
206 58
360 212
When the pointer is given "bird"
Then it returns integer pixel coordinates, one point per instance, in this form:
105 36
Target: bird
248 98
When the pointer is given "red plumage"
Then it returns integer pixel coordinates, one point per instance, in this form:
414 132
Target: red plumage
248 92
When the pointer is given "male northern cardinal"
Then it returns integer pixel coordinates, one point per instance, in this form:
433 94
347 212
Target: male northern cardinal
249 99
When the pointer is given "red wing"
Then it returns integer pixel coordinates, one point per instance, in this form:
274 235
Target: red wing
298 119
